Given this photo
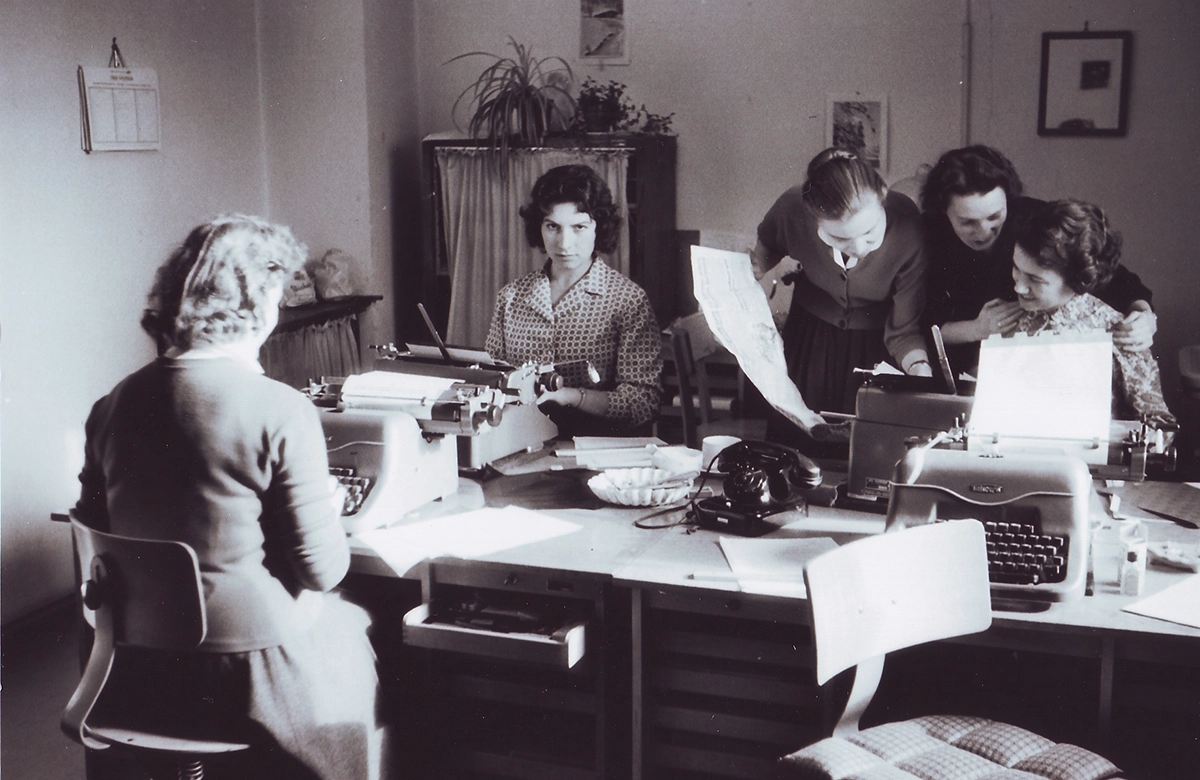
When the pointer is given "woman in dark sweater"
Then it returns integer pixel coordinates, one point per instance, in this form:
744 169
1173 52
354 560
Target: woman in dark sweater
860 287
199 447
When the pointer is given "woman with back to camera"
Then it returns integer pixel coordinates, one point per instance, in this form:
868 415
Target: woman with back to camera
860 287
199 447
579 313
972 199
1064 250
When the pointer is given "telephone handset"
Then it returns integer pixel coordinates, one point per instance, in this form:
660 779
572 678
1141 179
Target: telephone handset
761 474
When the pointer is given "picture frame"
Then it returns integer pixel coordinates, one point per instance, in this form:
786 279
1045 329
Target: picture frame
1084 88
604 32
859 122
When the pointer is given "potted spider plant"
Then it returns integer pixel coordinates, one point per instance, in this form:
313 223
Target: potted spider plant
517 99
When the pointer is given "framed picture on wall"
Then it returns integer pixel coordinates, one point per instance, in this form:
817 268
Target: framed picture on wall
859 122
603 32
1085 83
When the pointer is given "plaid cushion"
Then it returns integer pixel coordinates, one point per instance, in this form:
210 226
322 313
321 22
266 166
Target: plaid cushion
947 747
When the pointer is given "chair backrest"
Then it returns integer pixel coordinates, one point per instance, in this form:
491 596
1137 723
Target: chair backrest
892 591
139 592
152 585
693 346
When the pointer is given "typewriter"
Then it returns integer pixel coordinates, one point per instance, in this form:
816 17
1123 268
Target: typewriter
1033 507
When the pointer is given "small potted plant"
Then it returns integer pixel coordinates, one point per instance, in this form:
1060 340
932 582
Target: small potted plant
517 99
603 108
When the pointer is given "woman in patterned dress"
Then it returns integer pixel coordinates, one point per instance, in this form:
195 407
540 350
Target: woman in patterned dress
1063 251
579 313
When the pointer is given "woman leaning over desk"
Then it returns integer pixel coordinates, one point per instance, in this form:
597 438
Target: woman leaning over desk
1064 250
199 447
860 286
594 324
972 201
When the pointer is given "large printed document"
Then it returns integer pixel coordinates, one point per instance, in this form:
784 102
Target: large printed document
737 312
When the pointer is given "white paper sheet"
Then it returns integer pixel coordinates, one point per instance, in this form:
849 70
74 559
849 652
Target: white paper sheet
1179 603
467 535
772 566
737 312
1048 387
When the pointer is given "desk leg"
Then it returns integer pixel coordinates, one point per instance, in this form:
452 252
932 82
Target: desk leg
636 684
1108 662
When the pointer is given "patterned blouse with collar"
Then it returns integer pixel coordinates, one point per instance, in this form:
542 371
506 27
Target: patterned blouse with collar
604 318
1135 374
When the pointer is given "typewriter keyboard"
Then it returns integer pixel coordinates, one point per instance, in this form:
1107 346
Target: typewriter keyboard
1019 554
357 488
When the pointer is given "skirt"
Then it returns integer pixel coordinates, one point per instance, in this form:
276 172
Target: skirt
821 359
309 706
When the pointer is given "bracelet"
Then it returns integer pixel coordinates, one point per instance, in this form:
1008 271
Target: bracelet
582 396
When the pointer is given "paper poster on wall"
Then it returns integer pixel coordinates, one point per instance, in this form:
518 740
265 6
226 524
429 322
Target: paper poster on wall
119 109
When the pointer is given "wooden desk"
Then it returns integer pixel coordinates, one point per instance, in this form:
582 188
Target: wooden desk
720 678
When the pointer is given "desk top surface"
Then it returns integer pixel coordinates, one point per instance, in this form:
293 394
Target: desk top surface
608 544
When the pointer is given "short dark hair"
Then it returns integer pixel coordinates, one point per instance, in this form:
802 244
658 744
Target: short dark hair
836 180
213 287
1074 239
582 187
971 170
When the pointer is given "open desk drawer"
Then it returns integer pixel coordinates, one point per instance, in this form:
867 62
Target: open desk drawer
563 648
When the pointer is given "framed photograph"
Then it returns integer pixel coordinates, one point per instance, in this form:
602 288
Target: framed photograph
1085 83
859 123
603 32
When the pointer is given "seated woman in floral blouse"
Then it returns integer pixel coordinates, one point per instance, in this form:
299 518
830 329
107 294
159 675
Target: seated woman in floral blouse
1064 250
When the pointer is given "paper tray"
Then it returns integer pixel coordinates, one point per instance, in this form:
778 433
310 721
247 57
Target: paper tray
563 649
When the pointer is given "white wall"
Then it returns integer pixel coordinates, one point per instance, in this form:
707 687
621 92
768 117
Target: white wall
81 235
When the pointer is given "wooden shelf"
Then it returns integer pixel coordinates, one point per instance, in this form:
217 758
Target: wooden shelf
296 317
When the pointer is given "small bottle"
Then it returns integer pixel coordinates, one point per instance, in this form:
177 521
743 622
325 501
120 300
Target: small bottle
1131 575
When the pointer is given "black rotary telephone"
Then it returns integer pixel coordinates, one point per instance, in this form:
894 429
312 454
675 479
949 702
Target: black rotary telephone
762 478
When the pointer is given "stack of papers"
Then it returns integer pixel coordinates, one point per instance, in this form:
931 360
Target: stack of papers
1179 603
773 566
467 535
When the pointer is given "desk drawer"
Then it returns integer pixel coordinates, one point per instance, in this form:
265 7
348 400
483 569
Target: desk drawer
563 648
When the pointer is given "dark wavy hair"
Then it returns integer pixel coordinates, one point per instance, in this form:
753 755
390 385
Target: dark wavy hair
835 182
578 185
1074 239
971 170
213 289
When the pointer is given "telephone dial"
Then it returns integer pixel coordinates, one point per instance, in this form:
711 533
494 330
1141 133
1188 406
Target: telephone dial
761 479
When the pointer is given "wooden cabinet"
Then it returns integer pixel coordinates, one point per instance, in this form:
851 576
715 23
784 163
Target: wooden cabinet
509 701
724 685
650 195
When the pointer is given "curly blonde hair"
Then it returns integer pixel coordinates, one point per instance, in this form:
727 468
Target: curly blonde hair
214 288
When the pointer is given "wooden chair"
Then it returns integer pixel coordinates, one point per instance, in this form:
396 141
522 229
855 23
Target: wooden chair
712 388
137 593
898 590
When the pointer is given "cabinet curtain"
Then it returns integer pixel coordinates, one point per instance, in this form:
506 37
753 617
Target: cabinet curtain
311 352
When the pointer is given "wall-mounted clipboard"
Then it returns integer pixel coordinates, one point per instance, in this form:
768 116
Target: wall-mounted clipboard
119 109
